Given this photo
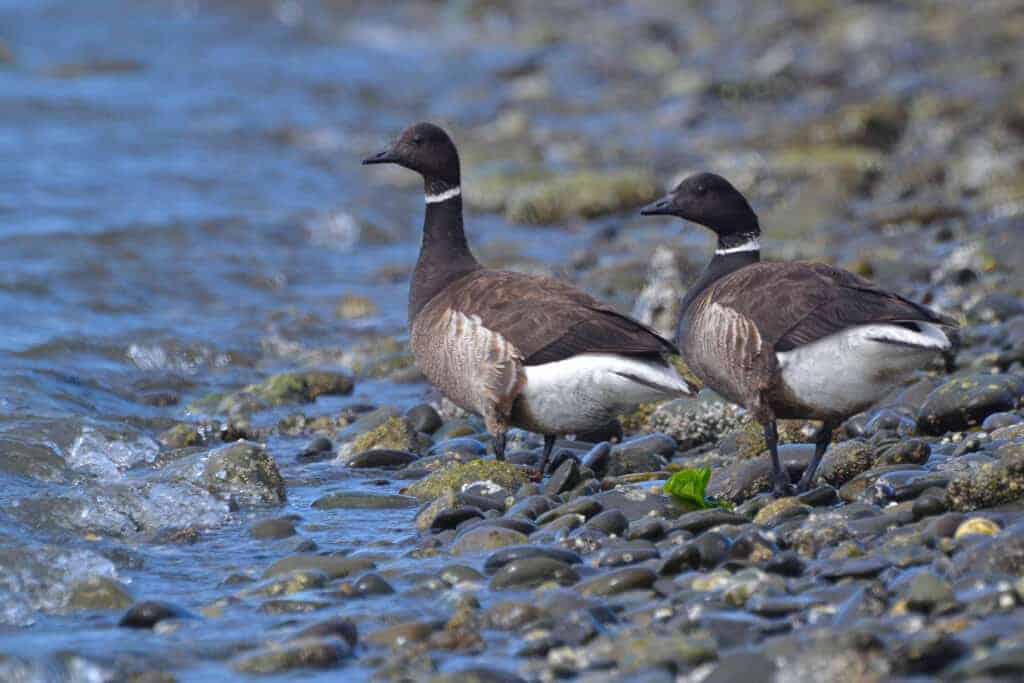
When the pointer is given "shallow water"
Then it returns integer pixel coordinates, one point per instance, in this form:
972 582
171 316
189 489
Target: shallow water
181 209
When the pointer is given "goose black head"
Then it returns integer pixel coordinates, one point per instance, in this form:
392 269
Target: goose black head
426 149
711 201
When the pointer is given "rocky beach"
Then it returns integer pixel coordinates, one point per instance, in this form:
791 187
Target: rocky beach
218 460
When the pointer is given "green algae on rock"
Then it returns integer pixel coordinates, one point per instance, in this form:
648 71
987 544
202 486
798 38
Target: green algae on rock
245 472
457 475
99 593
990 484
289 387
963 402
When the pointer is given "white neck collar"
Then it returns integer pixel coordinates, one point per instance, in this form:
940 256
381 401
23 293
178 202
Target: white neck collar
443 196
753 245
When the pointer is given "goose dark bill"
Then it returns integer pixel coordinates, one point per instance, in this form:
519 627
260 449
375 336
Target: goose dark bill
518 349
791 340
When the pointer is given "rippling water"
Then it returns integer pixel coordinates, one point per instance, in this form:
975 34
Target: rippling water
181 207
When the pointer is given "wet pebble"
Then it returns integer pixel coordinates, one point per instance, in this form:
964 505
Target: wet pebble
619 581
273 529
564 478
320 448
484 539
151 612
529 572
423 418
499 559
382 459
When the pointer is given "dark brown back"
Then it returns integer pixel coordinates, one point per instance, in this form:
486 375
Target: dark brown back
548 320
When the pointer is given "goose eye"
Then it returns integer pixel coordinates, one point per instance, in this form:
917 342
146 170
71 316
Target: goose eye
417 140
701 189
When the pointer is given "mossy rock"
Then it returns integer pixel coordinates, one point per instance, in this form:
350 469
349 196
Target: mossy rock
456 476
245 472
301 387
991 484
963 402
585 194
747 440
393 434
291 387
99 593
182 435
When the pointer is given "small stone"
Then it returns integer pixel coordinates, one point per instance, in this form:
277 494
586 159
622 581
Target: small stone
976 526
331 628
457 475
926 592
371 584
529 572
295 581
319 448
182 436
618 581
382 459
965 401
597 458
502 557
611 522
272 529
844 461
151 612
780 510
990 484
623 554
484 539
245 472
450 518
702 520
401 635
363 501
307 653
334 566
645 453
564 478
423 418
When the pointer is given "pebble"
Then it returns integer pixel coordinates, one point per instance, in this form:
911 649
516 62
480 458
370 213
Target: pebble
485 539
151 612
530 572
273 529
382 459
976 526
618 581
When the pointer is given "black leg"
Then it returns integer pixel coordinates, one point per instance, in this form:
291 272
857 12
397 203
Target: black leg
549 445
821 442
782 486
499 444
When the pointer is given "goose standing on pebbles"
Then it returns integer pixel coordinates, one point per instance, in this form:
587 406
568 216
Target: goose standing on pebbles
790 340
520 350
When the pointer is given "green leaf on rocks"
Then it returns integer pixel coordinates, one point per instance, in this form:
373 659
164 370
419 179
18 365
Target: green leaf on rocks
688 487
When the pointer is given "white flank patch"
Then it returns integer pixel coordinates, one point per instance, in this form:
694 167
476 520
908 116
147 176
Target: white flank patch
847 371
443 196
752 245
586 391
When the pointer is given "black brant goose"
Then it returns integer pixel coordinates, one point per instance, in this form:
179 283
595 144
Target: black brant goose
790 340
520 350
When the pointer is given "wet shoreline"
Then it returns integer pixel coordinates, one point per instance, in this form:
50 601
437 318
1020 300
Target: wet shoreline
190 255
